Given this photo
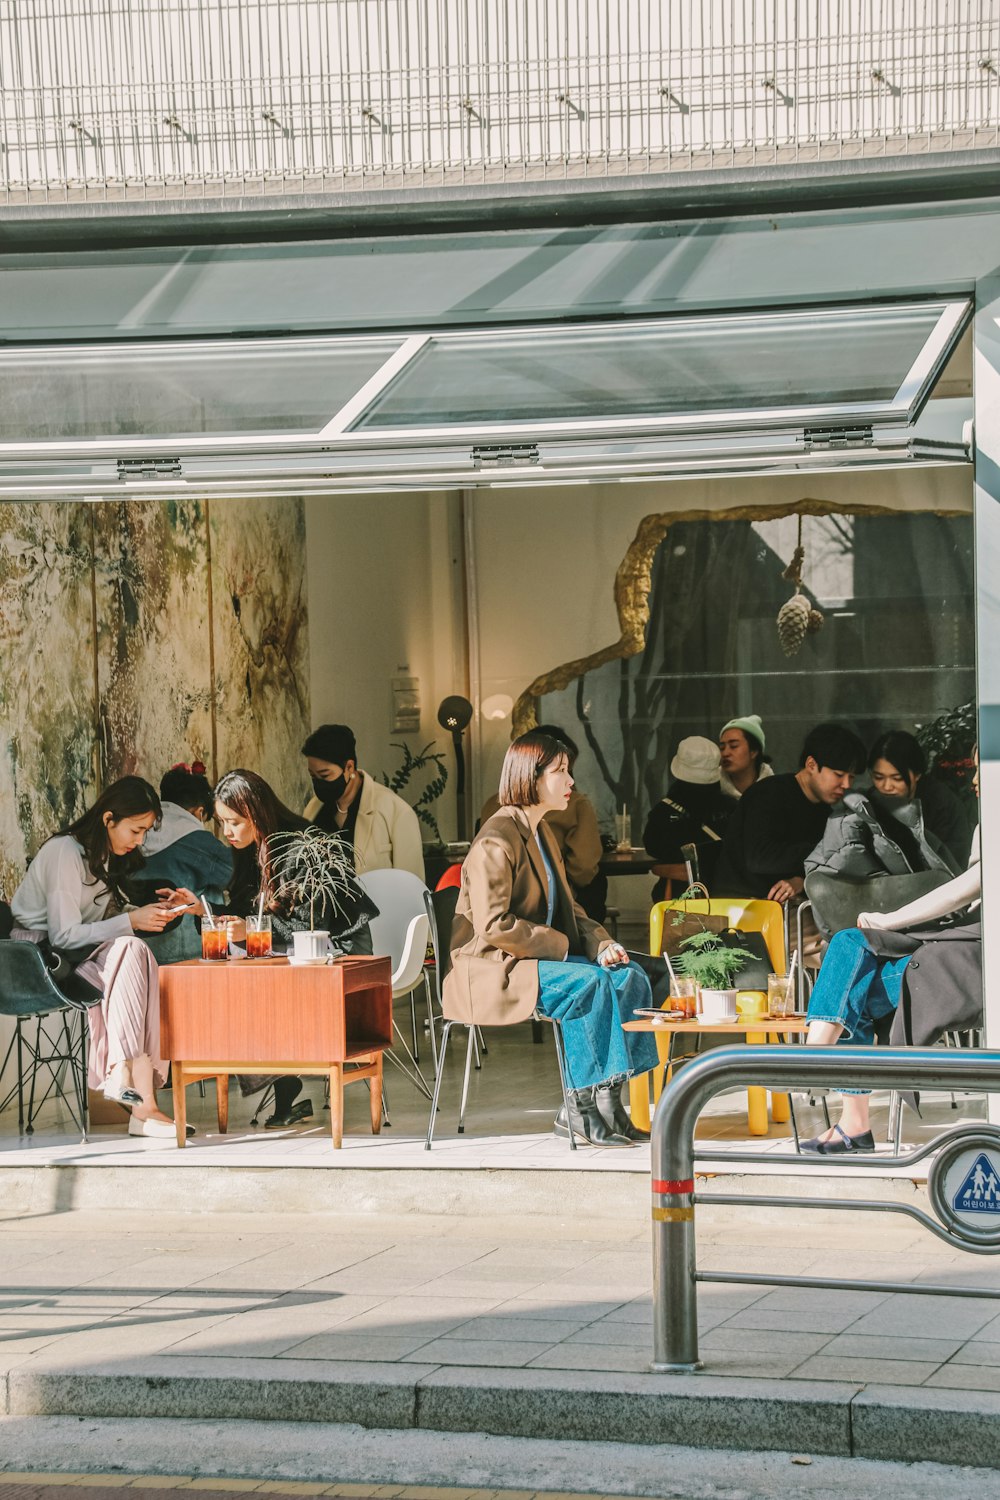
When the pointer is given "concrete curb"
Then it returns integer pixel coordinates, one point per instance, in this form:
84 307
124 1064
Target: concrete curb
839 1419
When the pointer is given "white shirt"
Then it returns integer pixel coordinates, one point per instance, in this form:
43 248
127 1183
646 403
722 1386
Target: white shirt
61 898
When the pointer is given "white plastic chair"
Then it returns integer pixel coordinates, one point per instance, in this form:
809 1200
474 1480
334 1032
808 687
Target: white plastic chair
401 930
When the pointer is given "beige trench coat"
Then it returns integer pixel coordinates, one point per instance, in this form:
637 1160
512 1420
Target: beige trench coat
500 933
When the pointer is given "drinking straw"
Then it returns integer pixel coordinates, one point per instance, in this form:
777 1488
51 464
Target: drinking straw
260 907
791 970
208 909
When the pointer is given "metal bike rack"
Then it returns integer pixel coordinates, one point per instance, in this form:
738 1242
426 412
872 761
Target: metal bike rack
675 1272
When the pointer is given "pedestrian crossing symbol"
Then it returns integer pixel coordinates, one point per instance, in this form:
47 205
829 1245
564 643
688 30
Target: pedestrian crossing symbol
979 1193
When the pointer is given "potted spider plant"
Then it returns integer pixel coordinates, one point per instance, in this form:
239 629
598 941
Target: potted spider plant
708 959
316 898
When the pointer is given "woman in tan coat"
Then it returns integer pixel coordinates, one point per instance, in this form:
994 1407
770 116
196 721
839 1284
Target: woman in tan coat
520 941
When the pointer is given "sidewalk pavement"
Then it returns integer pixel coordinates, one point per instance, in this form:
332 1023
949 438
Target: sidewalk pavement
522 1328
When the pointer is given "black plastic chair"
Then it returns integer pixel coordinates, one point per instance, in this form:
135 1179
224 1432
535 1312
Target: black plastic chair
441 913
50 1034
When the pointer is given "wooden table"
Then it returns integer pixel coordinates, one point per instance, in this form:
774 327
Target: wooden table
269 1016
626 862
759 1030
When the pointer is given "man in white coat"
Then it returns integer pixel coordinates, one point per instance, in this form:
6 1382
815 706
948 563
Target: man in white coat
383 829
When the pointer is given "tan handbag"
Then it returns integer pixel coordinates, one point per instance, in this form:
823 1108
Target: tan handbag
682 923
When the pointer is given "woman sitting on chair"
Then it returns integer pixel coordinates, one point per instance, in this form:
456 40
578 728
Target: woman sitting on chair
864 972
253 822
73 894
521 942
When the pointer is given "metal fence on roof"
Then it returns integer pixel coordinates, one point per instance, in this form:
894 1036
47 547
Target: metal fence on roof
125 98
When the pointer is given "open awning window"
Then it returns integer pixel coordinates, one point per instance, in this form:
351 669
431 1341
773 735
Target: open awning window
734 392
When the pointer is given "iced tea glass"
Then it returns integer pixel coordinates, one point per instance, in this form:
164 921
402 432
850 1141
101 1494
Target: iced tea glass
684 994
780 995
214 938
259 937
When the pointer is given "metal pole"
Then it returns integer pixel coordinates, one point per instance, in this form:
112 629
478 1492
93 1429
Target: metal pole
675 1309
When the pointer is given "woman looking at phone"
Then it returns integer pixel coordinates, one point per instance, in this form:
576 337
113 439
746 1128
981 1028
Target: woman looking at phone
73 894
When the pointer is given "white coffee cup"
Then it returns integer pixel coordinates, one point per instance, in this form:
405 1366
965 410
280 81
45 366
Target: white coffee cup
310 947
718 1005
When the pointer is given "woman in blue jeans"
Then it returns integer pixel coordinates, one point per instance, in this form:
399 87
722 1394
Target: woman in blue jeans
521 941
860 983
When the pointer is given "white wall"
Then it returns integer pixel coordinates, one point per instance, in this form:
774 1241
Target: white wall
384 601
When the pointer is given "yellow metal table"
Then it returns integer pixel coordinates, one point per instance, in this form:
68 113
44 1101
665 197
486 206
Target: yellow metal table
758 1031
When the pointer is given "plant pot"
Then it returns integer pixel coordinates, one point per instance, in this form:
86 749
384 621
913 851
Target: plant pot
716 1006
310 948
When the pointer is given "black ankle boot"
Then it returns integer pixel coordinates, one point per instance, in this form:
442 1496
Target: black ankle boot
586 1121
608 1098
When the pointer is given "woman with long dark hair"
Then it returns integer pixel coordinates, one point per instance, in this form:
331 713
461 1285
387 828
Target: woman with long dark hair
257 825
520 941
74 894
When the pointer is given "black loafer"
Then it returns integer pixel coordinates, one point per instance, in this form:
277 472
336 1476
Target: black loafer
844 1146
300 1111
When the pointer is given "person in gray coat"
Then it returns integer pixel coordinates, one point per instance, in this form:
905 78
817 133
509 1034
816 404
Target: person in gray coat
880 830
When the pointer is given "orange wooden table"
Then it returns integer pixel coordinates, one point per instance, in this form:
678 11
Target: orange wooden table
757 1030
269 1016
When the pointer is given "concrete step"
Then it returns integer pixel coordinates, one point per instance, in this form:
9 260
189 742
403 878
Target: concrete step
700 1411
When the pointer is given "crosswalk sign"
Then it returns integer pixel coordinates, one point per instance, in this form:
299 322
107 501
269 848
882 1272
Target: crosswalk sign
979 1191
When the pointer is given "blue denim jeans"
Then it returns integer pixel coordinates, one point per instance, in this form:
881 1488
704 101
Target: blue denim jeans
591 1003
856 988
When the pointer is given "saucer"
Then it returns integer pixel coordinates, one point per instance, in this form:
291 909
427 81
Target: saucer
308 963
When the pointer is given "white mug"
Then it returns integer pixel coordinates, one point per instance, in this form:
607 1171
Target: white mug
718 1005
311 947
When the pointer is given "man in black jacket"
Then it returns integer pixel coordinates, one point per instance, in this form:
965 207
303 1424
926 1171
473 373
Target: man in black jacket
780 820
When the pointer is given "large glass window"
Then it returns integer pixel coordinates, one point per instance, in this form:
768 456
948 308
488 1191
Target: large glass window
684 370
166 390
896 649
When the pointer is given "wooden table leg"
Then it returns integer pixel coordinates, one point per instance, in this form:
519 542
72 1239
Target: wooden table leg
337 1104
375 1098
781 1110
180 1103
222 1101
756 1097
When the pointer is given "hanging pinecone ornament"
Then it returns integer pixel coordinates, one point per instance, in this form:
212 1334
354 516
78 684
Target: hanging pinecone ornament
793 622
815 621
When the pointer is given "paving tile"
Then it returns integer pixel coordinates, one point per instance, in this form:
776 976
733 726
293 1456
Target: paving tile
494 1352
755 1367
513 1329
593 1357
861 1346
339 1344
546 1307
821 1320
956 1377
926 1317
868 1371
749 1341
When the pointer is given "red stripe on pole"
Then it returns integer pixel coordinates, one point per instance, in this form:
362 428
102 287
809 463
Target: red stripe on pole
668 1185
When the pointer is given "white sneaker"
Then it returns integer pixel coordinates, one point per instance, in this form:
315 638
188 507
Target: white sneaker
155 1129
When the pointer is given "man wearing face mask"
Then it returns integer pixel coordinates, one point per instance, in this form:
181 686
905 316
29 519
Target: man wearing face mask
383 829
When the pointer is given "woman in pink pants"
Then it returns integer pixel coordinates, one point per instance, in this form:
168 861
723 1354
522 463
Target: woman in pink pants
72 894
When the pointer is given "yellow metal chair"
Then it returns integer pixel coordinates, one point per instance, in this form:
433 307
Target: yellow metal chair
745 914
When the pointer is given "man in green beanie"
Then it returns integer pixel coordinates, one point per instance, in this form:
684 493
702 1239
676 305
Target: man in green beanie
742 746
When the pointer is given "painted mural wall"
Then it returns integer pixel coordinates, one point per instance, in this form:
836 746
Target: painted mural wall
134 634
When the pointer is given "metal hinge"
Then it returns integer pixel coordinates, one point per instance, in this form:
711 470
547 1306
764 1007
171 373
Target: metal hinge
839 437
148 468
505 456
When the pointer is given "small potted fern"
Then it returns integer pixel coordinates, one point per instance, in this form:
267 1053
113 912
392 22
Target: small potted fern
316 899
707 958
